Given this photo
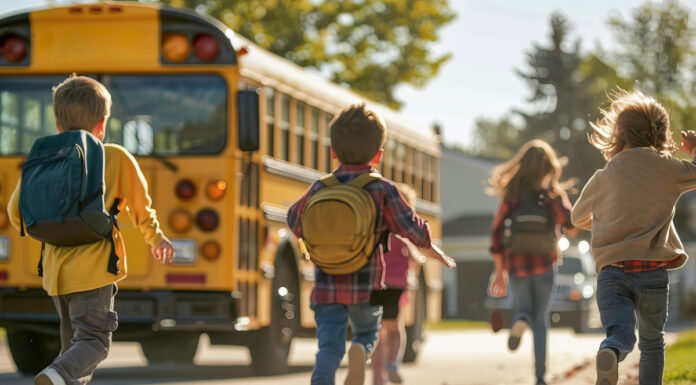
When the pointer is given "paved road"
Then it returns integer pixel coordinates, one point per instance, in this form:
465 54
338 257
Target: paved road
455 357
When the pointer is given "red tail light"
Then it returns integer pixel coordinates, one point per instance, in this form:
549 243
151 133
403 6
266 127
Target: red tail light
13 47
185 189
207 219
3 276
206 47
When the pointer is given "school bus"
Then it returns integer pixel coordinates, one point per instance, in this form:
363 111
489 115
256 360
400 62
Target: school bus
228 136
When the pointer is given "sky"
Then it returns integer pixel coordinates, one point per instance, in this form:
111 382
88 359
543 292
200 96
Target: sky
488 41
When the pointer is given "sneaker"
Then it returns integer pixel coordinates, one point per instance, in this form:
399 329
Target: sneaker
357 360
516 334
393 373
496 321
607 367
48 376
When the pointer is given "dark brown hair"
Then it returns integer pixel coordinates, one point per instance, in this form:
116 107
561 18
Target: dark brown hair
632 119
79 103
357 134
522 175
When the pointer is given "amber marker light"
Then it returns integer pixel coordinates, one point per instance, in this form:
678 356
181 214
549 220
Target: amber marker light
175 46
210 250
13 47
180 220
216 189
185 189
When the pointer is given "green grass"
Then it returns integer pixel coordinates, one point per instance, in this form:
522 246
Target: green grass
2 334
455 324
680 365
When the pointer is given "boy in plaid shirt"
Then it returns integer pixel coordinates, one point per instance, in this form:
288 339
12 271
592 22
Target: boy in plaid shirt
357 137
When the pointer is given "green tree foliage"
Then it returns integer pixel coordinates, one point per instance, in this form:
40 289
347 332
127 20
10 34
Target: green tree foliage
496 138
369 45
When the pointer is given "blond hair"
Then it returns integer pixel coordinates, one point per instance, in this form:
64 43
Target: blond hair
80 103
522 175
632 119
357 134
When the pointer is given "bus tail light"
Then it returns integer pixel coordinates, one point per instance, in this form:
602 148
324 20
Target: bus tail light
206 47
13 47
175 46
207 219
216 189
185 189
210 250
3 276
180 220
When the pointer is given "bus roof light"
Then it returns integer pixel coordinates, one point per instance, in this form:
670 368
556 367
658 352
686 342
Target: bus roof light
13 47
206 47
175 46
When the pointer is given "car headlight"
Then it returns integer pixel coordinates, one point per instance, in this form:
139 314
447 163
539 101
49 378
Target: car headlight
4 248
588 291
184 251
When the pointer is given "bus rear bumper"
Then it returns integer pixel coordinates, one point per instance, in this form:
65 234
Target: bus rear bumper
138 312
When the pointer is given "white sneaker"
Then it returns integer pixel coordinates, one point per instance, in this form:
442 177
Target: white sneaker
357 361
48 376
516 332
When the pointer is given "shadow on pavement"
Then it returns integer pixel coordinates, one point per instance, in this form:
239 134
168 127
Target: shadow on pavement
159 374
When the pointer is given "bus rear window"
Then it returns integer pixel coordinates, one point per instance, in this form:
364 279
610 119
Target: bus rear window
157 115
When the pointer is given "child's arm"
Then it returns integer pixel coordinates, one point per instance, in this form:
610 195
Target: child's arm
295 211
581 214
560 210
133 189
498 284
684 172
403 221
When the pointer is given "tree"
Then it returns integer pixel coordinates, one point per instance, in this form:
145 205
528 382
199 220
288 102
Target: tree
561 100
370 45
496 138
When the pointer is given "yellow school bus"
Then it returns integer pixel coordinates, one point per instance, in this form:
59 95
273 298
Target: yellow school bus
228 136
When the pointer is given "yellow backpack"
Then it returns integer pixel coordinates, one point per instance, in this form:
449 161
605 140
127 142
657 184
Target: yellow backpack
338 225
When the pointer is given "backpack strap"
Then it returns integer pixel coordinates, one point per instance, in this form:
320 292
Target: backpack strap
113 258
329 180
364 179
21 224
39 268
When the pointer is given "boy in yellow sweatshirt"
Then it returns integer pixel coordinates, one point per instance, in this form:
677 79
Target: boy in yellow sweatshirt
76 277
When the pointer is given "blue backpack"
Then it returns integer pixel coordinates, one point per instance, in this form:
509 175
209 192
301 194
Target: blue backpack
61 199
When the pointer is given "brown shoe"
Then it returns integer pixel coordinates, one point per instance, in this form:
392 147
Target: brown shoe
607 367
42 379
357 360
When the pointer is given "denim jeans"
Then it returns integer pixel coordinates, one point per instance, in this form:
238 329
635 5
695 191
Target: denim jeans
532 298
621 296
332 321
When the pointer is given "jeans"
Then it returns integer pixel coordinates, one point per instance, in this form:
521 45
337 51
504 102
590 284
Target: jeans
332 321
621 296
87 319
532 298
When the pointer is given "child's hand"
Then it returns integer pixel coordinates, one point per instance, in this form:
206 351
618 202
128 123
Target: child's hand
434 252
498 287
688 143
164 252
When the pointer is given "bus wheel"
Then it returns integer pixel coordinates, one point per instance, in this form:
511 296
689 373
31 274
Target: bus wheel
170 348
32 351
270 346
414 333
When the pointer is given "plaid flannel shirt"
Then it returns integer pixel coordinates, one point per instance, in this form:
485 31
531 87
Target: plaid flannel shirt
634 266
525 265
394 215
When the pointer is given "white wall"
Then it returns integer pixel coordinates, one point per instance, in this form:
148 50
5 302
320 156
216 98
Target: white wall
462 180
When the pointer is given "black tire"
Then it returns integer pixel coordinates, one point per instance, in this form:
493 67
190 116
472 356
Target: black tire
170 348
32 351
270 346
414 333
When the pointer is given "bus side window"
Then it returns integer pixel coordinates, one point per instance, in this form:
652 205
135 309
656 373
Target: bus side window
327 142
138 136
270 119
314 139
9 120
299 132
284 127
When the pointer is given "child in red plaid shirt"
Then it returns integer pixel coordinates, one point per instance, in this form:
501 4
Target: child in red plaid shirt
629 206
533 174
357 137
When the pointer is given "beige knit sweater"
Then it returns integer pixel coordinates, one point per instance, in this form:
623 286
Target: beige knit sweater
629 206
